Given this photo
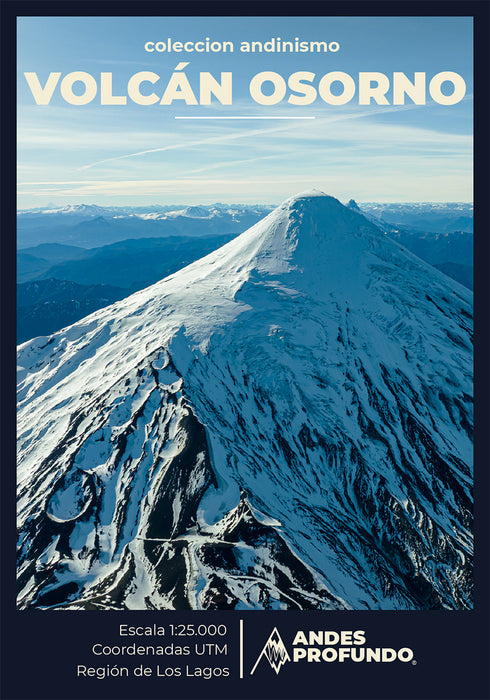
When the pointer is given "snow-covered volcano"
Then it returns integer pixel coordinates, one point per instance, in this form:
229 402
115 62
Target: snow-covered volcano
286 423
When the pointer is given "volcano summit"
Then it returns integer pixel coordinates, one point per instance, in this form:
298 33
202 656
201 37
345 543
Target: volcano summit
285 423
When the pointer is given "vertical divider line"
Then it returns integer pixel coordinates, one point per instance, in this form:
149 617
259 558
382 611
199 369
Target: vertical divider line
241 648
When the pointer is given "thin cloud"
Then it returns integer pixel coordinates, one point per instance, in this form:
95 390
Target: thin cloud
188 144
232 163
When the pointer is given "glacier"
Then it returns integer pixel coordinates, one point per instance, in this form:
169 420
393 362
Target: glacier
283 424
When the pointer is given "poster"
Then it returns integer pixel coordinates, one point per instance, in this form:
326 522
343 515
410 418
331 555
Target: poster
245 447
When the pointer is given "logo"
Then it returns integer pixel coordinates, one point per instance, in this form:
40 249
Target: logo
329 646
274 651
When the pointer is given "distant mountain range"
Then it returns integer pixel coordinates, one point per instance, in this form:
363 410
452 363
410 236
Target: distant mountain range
93 226
425 216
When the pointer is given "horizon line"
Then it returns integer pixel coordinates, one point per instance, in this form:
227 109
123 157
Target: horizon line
52 205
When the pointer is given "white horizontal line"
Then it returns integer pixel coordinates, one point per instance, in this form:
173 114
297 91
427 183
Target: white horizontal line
244 117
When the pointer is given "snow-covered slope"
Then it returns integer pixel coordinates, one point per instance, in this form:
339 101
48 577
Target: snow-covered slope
285 423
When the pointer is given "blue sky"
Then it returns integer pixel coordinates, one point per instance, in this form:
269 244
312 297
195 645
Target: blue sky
134 154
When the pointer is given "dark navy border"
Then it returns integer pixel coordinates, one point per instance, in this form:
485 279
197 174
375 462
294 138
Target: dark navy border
40 648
